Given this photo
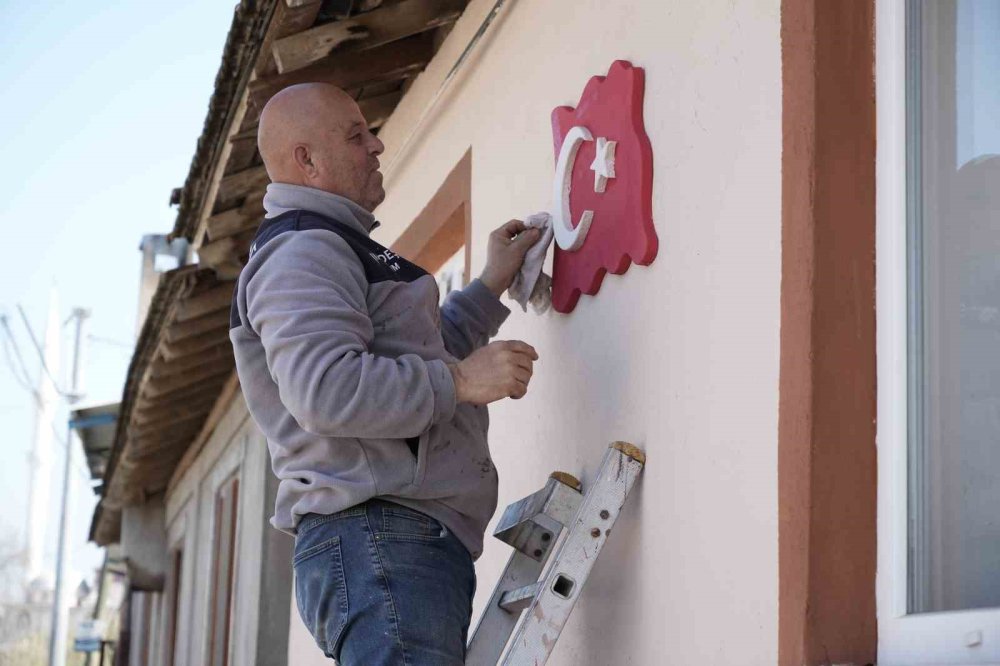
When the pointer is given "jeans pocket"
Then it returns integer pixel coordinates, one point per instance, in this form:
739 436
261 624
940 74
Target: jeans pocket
321 592
402 523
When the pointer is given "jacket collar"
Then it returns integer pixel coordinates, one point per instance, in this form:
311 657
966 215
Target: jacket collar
282 197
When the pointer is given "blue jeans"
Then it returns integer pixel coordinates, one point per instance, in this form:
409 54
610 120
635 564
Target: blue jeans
381 584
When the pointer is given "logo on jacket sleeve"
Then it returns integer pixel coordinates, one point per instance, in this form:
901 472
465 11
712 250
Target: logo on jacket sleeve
388 258
602 192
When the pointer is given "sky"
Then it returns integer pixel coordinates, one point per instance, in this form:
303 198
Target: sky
102 106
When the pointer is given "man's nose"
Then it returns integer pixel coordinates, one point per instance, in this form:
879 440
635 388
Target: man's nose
376 147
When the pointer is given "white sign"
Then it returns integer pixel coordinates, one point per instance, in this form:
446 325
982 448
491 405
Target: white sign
89 634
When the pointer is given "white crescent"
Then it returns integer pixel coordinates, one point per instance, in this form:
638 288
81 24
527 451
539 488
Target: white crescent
567 236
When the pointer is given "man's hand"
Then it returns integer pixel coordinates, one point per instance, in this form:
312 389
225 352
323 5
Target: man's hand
499 370
505 254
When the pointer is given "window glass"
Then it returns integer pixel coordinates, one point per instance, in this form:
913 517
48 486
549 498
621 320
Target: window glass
223 571
451 275
953 162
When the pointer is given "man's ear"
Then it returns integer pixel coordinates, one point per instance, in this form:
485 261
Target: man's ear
303 160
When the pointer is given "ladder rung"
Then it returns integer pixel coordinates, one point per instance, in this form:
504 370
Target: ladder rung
515 601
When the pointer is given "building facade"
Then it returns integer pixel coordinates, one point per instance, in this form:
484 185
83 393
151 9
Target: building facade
802 349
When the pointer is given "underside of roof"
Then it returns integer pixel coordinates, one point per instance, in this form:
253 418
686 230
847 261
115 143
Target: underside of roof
183 360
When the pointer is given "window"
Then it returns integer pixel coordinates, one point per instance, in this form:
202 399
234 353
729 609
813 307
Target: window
223 571
953 215
452 275
173 601
438 239
938 87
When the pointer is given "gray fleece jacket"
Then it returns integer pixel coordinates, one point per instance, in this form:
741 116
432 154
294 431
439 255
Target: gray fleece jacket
341 351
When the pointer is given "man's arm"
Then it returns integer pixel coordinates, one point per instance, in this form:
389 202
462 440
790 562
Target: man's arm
470 317
307 304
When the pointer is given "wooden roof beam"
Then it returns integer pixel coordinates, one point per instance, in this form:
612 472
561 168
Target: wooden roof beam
167 427
194 404
195 343
242 183
366 31
352 70
185 329
236 220
377 110
184 393
219 253
290 17
216 298
186 364
158 386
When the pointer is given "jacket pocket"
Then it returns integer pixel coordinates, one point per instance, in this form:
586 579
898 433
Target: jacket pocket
423 449
321 593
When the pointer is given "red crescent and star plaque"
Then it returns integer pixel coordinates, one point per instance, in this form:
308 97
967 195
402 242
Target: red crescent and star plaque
602 209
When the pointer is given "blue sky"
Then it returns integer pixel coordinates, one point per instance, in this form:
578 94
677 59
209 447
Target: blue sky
102 105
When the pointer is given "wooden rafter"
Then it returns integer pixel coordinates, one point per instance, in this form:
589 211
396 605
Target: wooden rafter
242 183
215 298
158 386
195 405
162 428
235 220
183 392
196 326
377 110
195 343
225 250
290 17
353 70
366 31
184 365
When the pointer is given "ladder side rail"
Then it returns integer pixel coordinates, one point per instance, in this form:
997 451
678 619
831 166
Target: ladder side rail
495 625
536 635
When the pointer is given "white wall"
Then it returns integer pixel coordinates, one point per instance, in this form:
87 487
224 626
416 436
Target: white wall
680 358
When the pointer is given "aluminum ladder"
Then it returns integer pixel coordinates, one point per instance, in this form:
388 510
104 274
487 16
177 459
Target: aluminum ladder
557 534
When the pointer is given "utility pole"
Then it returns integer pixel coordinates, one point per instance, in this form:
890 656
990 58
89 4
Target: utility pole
40 459
57 638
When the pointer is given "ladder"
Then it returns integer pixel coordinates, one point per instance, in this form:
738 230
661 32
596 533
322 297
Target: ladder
563 528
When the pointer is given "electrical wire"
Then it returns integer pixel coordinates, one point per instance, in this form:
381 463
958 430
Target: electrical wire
38 399
20 374
41 354
110 342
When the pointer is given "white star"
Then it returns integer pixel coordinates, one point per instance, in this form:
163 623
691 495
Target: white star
603 165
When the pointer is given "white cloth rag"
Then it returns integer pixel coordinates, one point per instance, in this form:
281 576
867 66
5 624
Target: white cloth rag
531 285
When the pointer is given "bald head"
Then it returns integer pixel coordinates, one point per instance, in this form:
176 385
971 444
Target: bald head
313 134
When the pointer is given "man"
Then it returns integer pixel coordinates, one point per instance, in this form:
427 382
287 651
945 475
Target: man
371 397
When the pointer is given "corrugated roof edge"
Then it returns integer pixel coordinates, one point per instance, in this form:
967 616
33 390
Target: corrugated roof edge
243 43
171 285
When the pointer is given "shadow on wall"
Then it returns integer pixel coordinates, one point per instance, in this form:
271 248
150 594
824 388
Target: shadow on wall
613 594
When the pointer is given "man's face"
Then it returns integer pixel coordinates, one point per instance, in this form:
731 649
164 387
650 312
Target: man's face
346 158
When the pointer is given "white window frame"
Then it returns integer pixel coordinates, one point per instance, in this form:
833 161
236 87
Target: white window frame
970 637
227 467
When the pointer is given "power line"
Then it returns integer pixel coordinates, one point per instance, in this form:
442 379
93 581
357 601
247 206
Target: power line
38 399
20 373
41 354
111 342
